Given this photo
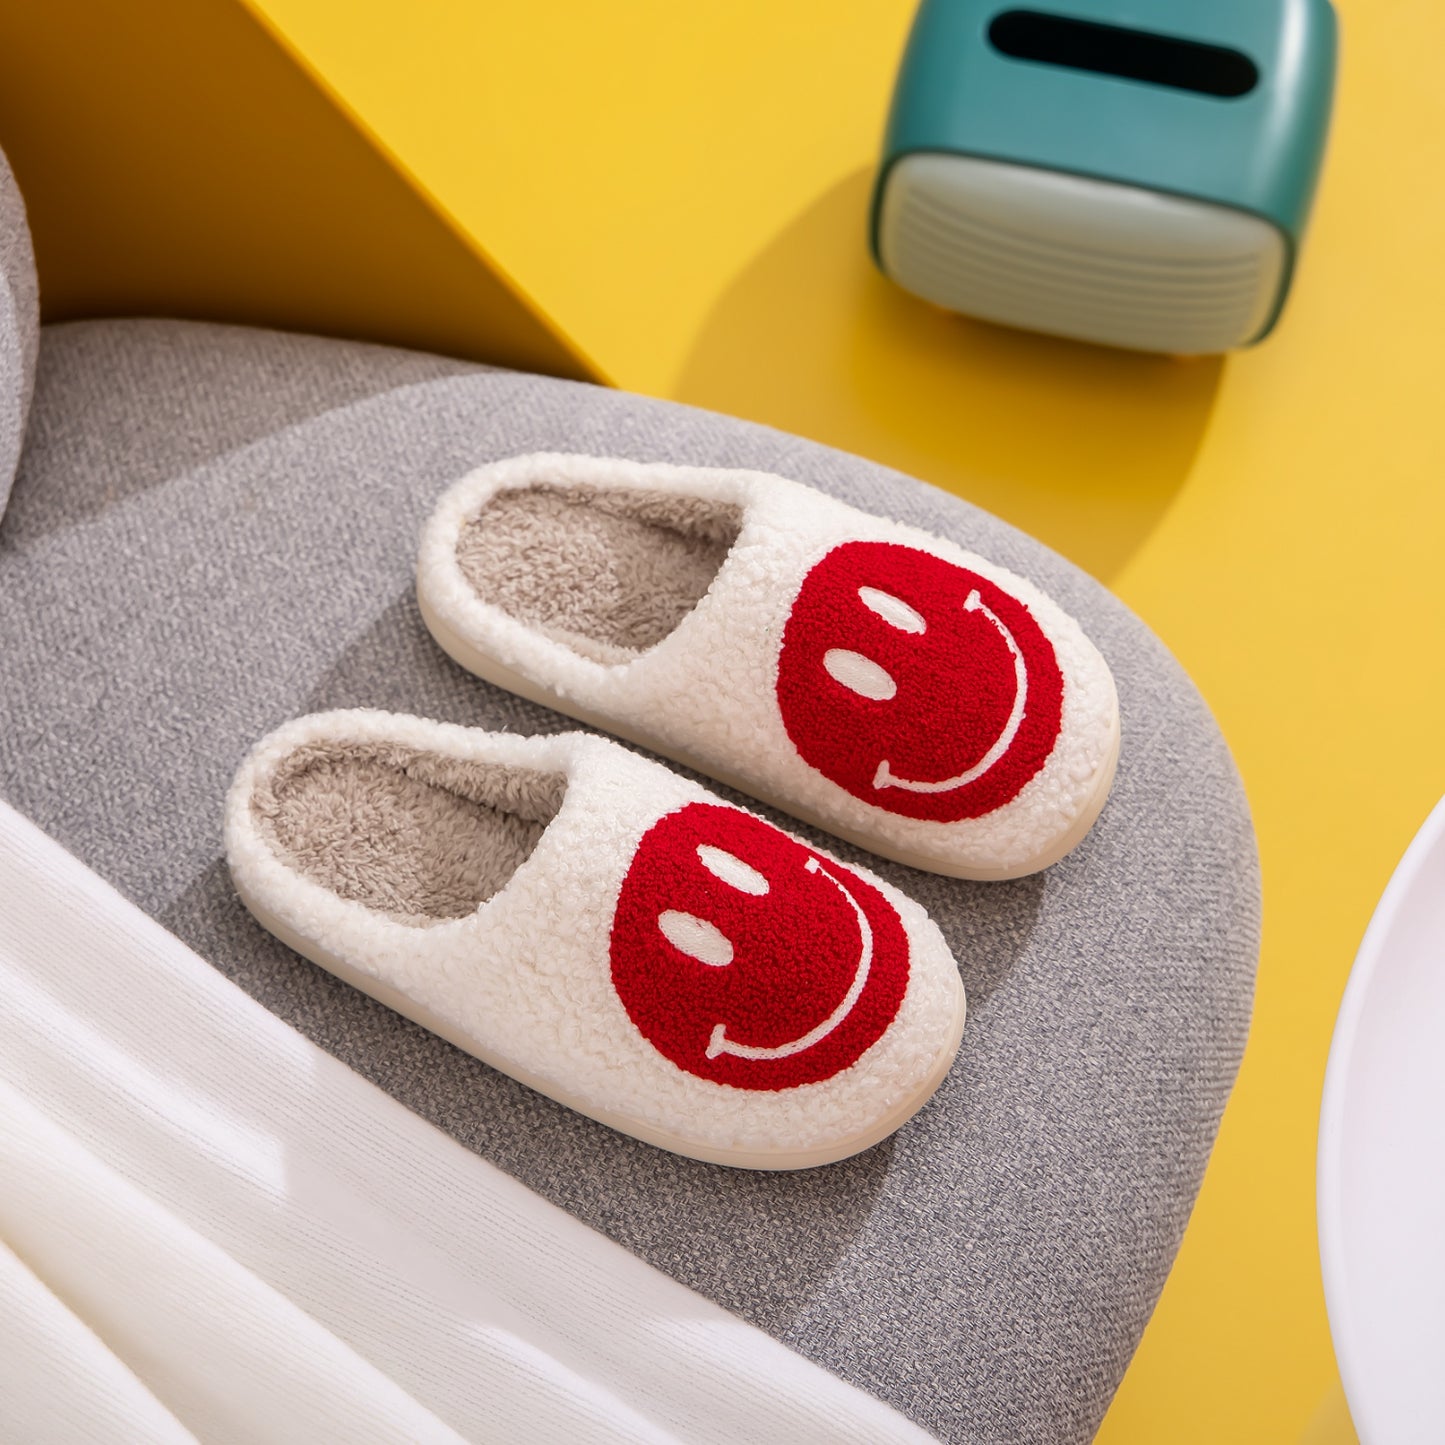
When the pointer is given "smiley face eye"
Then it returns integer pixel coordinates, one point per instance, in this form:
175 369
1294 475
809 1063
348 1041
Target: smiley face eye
893 610
695 937
732 870
859 674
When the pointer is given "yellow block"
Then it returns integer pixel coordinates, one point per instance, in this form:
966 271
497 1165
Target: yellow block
623 162
175 160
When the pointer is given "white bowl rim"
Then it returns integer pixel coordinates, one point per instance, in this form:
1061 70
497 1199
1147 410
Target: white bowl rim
1349 1349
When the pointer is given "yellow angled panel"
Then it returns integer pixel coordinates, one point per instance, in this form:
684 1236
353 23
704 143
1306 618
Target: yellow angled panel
176 161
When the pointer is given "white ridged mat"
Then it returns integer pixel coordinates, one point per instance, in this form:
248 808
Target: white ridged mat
212 1230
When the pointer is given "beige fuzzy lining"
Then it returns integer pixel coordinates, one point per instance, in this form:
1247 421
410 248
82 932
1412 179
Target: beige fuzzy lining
414 835
608 572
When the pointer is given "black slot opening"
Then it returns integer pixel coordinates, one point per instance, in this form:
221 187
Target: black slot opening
1132 54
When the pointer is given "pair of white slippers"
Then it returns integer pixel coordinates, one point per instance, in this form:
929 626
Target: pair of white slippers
614 935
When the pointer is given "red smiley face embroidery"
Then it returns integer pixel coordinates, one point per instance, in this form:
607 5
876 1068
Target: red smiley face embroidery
746 958
916 685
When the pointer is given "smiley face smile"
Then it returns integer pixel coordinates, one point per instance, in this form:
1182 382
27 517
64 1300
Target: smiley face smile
719 1043
885 778
915 684
748 960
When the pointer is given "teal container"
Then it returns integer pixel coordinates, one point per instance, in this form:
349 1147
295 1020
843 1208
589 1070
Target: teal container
1132 172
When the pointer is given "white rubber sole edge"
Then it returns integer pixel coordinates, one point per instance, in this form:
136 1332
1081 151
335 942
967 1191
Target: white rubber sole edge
490 670
735 1158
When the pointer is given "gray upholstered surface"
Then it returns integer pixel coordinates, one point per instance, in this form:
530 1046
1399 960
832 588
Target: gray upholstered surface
19 325
213 530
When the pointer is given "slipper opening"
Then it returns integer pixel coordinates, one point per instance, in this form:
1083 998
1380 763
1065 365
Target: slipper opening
417 836
608 572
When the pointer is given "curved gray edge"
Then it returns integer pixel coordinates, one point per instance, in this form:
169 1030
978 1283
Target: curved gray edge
990 1269
19 326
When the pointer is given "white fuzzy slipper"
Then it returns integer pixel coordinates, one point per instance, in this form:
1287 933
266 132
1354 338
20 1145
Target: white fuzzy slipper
862 675
601 929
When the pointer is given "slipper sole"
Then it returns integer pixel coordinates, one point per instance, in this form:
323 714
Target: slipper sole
779 1160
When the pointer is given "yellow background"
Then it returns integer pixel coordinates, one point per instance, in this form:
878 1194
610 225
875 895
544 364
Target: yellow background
174 161
673 195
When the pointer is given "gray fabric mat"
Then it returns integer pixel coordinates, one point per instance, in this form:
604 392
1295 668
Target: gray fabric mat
213 531
19 325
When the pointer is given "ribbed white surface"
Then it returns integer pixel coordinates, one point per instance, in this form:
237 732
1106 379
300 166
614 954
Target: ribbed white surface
216 1230
1078 258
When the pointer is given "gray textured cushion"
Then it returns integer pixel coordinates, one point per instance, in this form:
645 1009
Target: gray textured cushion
213 531
19 326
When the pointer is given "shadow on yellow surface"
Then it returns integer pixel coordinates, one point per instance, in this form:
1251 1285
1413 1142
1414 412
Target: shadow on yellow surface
1331 1424
177 161
1083 446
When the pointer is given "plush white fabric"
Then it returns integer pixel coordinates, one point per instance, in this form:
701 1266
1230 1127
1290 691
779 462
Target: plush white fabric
58 1381
706 693
525 983
218 1231
254 1366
